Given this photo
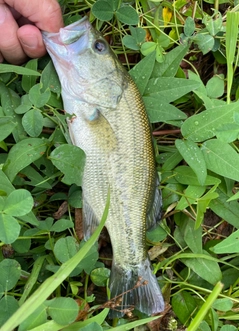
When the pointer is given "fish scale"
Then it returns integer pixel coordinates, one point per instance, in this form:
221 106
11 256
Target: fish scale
110 124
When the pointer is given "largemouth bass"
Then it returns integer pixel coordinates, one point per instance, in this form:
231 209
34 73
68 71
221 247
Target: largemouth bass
111 126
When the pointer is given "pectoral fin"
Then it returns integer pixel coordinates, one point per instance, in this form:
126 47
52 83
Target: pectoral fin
90 221
154 213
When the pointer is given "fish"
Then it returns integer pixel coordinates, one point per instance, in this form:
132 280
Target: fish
109 123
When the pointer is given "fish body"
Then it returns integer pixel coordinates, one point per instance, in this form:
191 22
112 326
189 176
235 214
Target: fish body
111 126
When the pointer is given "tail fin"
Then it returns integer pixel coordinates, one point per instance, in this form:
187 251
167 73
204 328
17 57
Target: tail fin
141 287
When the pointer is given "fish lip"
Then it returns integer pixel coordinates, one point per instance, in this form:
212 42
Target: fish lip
65 36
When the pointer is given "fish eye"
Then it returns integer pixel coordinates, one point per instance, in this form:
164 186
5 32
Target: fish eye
100 46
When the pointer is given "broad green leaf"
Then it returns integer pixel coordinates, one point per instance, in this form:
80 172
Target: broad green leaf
223 304
38 97
204 326
159 110
194 157
228 245
215 86
27 80
8 306
169 88
205 268
32 122
46 224
193 76
134 40
7 125
189 196
213 23
172 60
66 248
10 271
98 319
148 47
34 178
229 328
103 10
10 100
62 310
156 235
75 197
207 102
127 15
29 218
6 186
205 42
192 236
234 197
70 160
22 245
24 106
22 154
131 325
99 276
228 132
221 158
172 161
3 145
169 194
51 283
50 80
185 175
130 42
189 26
92 326
228 211
183 304
202 205
204 125
18 70
141 72
88 263
37 318
62 225
9 229
18 203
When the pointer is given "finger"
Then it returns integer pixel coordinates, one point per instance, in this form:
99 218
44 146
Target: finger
45 14
31 41
10 46
1 58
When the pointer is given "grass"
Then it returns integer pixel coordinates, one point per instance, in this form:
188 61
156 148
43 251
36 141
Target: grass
187 54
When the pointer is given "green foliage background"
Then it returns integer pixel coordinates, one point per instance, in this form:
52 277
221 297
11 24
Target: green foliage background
183 57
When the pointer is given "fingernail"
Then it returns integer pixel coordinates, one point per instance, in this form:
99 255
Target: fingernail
29 41
3 13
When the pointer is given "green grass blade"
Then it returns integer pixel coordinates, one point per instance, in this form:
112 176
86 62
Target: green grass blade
32 279
231 43
205 307
43 292
6 68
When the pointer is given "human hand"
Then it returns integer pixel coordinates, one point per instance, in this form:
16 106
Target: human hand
20 21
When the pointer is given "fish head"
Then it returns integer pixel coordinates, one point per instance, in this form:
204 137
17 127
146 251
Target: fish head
87 68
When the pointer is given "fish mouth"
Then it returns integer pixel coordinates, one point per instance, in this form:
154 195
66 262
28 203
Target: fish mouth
56 43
